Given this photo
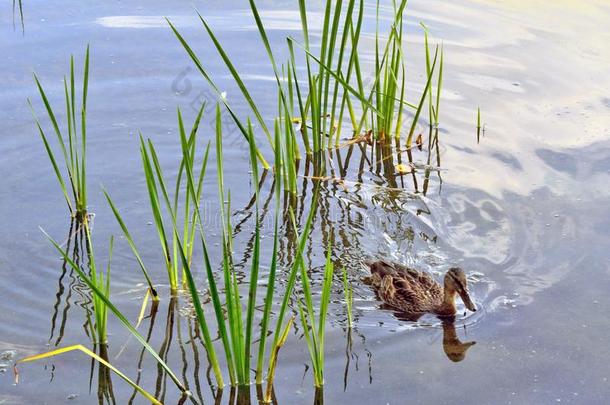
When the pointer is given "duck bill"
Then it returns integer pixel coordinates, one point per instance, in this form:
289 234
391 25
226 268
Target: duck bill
467 301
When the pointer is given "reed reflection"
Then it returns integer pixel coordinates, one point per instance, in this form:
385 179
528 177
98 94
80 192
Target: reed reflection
152 316
105 392
68 283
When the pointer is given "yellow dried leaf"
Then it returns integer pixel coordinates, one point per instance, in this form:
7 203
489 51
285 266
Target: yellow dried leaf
401 168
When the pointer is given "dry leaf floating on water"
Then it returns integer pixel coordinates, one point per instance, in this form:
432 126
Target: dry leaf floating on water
401 168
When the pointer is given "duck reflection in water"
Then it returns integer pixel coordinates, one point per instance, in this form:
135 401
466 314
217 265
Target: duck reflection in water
413 293
452 345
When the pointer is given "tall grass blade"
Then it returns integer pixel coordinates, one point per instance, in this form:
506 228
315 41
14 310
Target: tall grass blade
153 196
255 263
314 335
193 193
273 359
215 88
421 101
237 78
439 86
273 267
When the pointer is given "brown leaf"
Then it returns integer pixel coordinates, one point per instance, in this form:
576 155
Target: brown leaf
419 141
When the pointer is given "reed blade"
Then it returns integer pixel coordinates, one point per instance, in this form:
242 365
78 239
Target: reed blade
215 88
132 245
421 101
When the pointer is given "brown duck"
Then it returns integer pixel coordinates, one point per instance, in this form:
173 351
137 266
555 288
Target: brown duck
415 293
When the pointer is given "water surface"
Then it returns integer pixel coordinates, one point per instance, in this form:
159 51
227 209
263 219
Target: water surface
524 212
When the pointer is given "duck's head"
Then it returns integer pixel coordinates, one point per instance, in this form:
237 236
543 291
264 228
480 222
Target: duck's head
456 283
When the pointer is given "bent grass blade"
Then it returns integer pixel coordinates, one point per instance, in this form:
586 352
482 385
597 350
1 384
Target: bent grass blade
94 356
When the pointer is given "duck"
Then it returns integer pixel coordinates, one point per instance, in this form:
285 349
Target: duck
415 293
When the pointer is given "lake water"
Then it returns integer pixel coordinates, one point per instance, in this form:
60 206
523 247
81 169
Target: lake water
525 212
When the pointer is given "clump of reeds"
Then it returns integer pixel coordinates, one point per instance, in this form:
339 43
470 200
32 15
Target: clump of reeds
335 95
236 330
335 91
72 141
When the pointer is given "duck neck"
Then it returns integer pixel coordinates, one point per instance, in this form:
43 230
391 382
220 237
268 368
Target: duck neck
448 305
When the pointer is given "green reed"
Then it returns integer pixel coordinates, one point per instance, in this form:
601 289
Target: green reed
279 336
390 78
193 193
422 101
287 150
151 288
314 334
269 295
281 331
103 283
72 142
434 99
478 125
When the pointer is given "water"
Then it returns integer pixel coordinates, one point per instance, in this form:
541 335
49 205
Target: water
525 212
